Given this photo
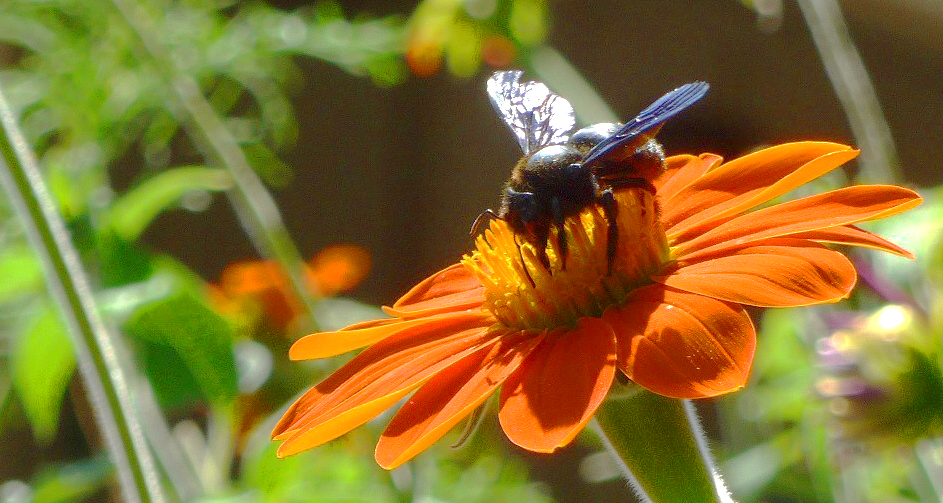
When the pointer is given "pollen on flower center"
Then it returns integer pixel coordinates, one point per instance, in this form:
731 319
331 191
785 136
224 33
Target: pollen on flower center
557 298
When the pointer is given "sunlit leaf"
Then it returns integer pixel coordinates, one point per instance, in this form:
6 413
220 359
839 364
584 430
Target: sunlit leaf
21 272
337 473
463 49
920 231
73 482
269 167
43 362
25 31
120 261
528 21
200 337
173 383
131 213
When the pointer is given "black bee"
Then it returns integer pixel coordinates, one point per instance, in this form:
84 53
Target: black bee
561 174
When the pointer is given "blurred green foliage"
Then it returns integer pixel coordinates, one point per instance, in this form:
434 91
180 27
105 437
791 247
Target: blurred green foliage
71 482
337 473
92 102
200 338
42 363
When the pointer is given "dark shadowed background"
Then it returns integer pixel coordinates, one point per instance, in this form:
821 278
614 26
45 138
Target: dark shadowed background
404 171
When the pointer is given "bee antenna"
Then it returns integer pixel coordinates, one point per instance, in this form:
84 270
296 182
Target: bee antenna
489 213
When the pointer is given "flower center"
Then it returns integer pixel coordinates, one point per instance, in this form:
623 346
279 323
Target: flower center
547 299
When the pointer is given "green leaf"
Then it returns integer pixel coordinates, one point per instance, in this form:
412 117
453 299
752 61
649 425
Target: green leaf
72 482
920 231
132 212
336 472
172 381
269 167
21 271
659 441
200 337
26 32
121 262
43 362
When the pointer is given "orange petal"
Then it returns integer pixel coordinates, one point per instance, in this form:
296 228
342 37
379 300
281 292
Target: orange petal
384 371
327 344
777 273
745 179
853 236
451 289
821 211
450 396
674 164
370 323
683 345
681 171
556 391
811 170
304 438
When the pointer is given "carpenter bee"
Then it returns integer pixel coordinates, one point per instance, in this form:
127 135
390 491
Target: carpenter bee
561 174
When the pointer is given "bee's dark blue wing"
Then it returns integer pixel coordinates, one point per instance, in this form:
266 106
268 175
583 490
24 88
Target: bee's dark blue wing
661 110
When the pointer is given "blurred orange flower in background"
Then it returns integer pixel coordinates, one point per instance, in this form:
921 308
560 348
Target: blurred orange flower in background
333 270
670 315
462 36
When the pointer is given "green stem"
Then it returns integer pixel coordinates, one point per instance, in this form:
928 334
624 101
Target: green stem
167 449
95 350
254 205
849 77
661 449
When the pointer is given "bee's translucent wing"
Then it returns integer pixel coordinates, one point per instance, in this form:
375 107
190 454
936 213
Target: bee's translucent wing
535 115
661 110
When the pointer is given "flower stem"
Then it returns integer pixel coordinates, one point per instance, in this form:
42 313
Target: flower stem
253 204
849 77
660 447
96 352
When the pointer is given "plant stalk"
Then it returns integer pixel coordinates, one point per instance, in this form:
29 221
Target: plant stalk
661 449
253 204
852 84
96 351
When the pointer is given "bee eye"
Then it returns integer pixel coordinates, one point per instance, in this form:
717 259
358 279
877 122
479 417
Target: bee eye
590 136
553 156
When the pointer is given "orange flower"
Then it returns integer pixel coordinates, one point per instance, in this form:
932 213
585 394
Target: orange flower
670 316
338 268
333 270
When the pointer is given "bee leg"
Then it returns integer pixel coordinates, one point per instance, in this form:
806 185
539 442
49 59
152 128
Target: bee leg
611 210
559 221
542 235
489 213
520 255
